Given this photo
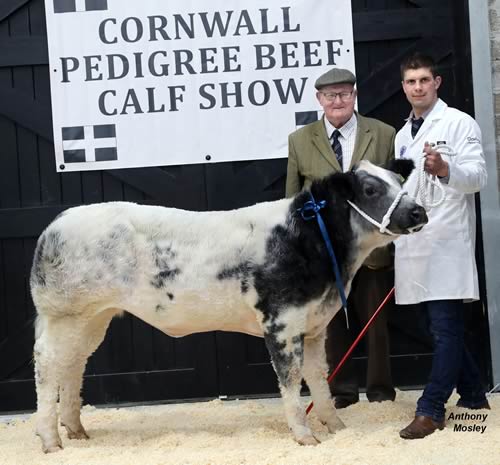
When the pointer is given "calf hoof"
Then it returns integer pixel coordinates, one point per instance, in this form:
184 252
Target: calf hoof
334 425
51 444
307 440
51 449
77 433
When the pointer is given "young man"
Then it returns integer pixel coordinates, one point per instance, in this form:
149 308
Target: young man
335 143
436 266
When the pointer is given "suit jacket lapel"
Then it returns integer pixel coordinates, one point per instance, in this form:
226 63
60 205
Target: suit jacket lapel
363 140
322 143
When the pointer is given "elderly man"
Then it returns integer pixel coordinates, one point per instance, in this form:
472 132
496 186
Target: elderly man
339 140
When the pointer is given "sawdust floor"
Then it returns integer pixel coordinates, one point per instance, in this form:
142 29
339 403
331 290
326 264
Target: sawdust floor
254 432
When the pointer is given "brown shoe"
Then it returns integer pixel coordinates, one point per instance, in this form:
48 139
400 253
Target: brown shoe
420 427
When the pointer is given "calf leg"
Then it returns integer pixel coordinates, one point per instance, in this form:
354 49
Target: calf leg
92 334
287 354
47 387
62 347
315 373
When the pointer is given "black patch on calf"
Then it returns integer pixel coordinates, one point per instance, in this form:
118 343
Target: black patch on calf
170 295
106 250
298 343
241 272
283 360
37 270
163 277
163 255
110 248
292 273
162 258
114 256
297 266
47 257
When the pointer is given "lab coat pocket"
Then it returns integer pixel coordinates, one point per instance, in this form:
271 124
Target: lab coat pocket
451 220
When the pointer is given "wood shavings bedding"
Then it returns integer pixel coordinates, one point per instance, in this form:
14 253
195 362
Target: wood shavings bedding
255 432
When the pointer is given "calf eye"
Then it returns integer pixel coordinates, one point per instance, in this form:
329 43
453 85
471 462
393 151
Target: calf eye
369 191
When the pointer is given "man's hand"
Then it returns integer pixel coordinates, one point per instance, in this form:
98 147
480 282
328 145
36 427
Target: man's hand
434 163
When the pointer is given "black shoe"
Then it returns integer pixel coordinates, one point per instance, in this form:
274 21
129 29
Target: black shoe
342 402
381 393
380 397
485 405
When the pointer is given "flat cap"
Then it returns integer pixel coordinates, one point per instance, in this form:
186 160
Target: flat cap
335 76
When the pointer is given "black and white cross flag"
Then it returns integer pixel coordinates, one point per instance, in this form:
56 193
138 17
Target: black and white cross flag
83 144
305 117
72 6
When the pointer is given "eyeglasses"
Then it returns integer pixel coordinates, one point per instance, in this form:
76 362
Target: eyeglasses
344 96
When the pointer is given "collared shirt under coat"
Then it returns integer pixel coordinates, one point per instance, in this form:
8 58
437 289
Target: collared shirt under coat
347 138
310 157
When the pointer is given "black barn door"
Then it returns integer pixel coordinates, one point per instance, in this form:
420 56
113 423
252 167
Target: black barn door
135 362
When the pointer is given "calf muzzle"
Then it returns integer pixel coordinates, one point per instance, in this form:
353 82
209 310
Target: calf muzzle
417 219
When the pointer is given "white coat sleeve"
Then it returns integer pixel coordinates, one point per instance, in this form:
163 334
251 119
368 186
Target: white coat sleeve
467 168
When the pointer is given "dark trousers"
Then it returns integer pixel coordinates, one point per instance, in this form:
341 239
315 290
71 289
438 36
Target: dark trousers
452 364
369 288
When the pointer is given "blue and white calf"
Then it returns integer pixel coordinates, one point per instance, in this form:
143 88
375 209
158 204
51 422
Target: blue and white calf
260 270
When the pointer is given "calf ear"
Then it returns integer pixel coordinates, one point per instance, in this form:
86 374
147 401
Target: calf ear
334 186
402 166
343 184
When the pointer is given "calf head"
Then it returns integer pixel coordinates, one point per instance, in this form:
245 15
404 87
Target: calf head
378 194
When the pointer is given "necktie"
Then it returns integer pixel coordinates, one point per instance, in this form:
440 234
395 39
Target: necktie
415 126
336 146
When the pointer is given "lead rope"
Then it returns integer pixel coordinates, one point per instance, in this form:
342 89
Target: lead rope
309 211
426 183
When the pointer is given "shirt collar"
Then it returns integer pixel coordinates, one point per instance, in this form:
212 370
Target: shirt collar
424 115
345 130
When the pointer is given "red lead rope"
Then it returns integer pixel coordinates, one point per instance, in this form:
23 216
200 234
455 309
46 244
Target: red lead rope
355 343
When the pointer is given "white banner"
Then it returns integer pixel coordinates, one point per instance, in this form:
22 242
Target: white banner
154 83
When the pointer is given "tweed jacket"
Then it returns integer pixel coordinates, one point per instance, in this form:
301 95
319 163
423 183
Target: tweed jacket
310 156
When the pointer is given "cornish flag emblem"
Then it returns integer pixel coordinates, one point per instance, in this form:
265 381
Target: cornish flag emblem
82 144
72 6
305 117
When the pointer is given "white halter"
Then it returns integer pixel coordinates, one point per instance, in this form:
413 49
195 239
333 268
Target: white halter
424 189
387 217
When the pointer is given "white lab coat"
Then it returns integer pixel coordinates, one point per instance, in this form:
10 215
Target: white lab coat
438 262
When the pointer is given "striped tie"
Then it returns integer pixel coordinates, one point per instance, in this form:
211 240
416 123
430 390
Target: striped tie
336 146
415 126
